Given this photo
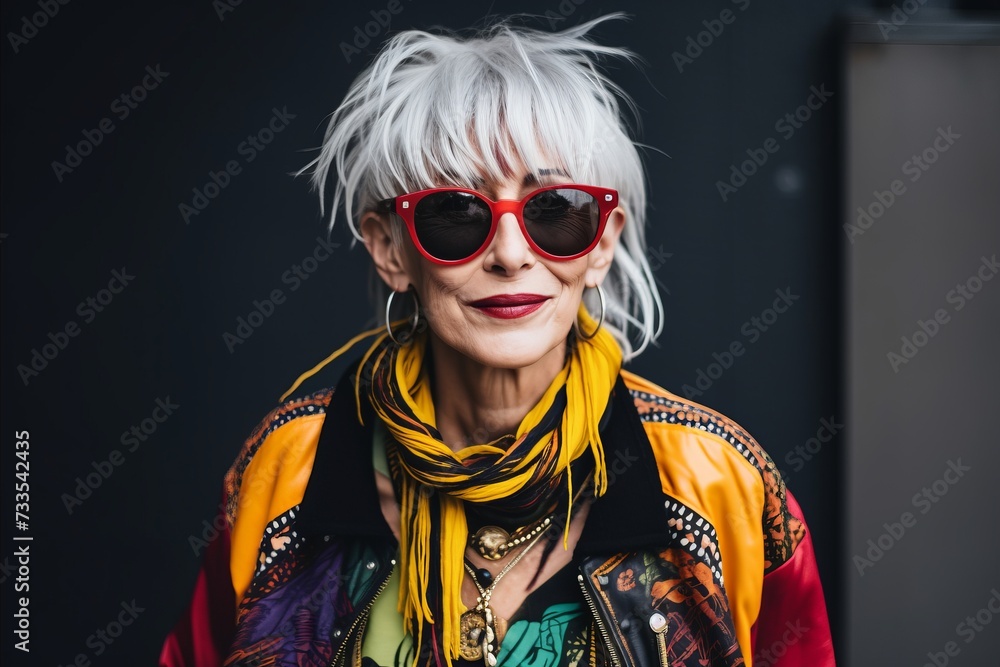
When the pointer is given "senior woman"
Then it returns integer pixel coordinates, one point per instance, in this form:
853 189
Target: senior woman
486 485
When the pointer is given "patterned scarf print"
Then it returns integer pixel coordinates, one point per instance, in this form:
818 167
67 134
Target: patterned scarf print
514 472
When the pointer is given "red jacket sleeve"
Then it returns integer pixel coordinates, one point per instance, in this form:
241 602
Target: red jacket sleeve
792 629
203 635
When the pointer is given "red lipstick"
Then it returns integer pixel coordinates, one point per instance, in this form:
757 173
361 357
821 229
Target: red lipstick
510 306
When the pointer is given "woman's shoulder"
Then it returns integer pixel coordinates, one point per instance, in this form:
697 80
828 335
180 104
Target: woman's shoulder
669 415
289 432
713 464
266 481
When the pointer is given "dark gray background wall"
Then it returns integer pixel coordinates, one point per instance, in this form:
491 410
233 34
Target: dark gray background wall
222 70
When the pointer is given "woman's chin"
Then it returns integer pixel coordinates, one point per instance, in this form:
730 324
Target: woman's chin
512 349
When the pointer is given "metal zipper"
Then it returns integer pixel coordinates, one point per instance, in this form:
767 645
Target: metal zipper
593 643
359 642
661 646
600 622
659 625
363 616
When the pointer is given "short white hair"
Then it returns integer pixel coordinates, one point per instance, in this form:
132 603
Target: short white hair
452 106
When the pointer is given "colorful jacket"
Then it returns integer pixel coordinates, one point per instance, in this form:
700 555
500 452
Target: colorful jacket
696 529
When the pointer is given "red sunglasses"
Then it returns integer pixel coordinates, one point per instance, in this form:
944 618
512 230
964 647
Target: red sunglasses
454 225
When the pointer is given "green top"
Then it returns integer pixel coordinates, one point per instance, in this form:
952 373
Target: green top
384 633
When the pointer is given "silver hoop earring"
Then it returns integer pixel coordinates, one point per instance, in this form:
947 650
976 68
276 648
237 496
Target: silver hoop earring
407 337
600 293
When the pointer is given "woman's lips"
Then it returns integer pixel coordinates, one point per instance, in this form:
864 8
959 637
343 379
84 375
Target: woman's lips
510 306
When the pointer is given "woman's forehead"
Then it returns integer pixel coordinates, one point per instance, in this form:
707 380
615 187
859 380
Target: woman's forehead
522 177
510 164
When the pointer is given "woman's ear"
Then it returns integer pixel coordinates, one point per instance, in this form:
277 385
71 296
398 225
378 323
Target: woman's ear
388 257
600 258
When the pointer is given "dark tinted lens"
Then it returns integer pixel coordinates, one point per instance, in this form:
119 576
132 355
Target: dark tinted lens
562 222
452 225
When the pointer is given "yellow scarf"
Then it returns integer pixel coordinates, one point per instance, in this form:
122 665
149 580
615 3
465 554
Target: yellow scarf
437 481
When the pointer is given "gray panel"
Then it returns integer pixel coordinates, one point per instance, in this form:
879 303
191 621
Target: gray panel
913 420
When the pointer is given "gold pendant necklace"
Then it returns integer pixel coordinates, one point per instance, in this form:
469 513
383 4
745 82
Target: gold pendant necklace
481 630
472 626
493 542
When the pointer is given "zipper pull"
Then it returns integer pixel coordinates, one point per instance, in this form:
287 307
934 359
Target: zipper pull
658 624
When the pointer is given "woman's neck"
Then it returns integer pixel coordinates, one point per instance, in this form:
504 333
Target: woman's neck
474 404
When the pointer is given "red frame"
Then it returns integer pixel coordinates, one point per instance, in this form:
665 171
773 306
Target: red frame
404 206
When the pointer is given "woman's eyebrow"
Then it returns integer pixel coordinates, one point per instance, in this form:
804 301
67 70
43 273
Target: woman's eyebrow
533 178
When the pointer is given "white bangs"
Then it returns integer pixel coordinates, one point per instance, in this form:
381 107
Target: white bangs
437 110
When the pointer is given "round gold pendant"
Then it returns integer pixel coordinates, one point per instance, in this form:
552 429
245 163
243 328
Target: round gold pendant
473 627
490 542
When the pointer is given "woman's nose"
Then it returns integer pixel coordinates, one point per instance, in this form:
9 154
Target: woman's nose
509 249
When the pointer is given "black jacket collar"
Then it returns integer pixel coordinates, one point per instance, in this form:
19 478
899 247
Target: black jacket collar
341 498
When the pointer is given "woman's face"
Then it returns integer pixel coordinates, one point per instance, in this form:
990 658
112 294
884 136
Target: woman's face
461 302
